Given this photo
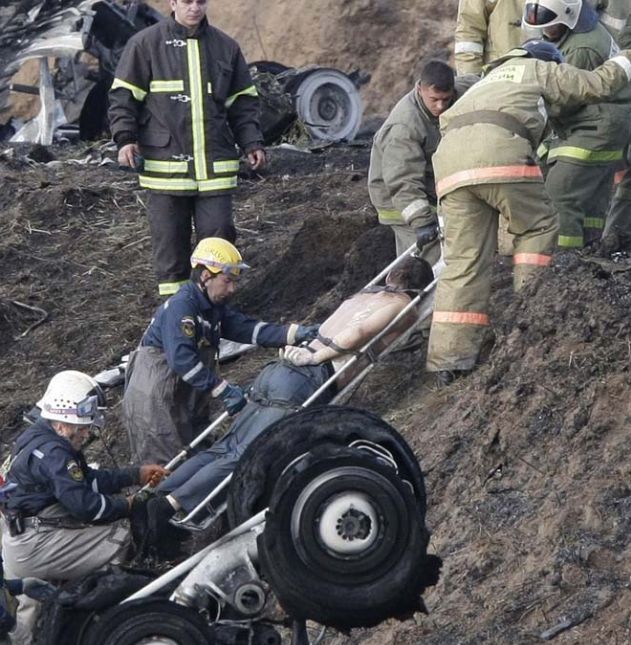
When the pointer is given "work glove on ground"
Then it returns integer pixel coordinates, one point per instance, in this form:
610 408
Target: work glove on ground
152 474
305 334
232 397
299 356
425 235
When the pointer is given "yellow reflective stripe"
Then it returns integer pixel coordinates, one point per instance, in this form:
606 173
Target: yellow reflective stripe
166 86
569 242
248 91
594 222
197 108
224 183
138 93
176 183
169 288
226 166
386 216
155 165
542 150
210 87
584 154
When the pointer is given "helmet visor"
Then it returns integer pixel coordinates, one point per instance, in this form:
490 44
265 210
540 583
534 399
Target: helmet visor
233 270
89 408
537 16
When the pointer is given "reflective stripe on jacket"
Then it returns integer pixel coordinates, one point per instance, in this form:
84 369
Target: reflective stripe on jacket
185 99
525 89
485 30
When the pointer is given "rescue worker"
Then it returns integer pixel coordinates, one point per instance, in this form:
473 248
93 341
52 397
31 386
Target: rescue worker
614 14
401 176
589 144
283 385
60 522
172 373
485 30
502 119
181 97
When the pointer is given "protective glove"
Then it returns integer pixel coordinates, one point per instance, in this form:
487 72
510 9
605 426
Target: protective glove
305 333
152 474
31 587
299 356
232 397
426 234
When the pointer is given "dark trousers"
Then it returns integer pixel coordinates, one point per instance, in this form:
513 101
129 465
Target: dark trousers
171 219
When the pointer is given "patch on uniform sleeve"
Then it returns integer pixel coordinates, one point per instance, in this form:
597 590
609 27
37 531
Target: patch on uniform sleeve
74 470
187 325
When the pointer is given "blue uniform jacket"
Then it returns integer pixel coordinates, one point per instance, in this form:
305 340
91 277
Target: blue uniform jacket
188 321
47 469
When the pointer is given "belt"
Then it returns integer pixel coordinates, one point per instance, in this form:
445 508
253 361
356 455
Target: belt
57 522
492 117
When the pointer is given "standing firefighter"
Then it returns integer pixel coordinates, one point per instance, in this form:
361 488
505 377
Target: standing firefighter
172 373
401 175
60 519
501 119
181 98
485 30
590 141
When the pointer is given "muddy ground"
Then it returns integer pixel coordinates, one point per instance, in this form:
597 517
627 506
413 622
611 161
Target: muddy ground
527 461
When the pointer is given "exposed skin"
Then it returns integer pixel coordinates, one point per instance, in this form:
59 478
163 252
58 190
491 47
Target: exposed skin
435 100
554 33
219 287
355 322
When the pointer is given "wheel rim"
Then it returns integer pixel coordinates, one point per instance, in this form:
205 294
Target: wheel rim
347 521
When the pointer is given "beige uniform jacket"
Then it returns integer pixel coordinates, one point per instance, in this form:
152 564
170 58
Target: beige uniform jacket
503 117
401 175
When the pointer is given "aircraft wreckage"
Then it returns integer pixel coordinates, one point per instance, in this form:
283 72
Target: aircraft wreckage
77 46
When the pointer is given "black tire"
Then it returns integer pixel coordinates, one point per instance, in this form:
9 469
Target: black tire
135 621
267 456
344 543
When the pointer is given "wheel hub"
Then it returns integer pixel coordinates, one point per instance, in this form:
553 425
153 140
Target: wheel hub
353 524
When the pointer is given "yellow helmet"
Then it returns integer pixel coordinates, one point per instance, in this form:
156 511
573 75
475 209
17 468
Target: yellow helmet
218 256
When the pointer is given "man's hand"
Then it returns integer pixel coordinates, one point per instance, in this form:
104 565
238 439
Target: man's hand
152 474
232 397
257 159
425 235
299 356
128 154
37 589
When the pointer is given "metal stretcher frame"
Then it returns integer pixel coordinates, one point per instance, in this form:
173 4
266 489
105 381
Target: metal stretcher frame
364 351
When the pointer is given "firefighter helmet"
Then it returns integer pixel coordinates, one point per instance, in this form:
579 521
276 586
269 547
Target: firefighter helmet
218 256
73 397
545 13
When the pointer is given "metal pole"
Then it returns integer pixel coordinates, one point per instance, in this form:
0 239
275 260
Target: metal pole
392 264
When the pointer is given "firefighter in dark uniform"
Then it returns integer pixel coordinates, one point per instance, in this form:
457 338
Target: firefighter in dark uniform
60 520
181 98
172 372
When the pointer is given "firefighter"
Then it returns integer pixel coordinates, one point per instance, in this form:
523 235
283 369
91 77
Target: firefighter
590 140
181 97
60 520
485 30
172 374
401 176
502 119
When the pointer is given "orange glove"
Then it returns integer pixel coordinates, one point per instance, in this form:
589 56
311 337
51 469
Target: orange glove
152 474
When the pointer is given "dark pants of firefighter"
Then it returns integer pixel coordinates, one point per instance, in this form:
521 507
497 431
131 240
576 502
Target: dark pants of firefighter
278 391
171 218
618 224
160 412
581 195
460 317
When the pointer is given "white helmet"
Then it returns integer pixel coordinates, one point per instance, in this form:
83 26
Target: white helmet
73 397
545 13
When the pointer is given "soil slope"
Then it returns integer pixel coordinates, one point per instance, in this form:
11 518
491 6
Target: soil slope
527 461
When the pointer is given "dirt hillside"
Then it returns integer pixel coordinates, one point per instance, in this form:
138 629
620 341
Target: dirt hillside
527 461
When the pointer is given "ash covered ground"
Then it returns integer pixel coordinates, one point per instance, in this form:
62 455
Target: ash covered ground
527 461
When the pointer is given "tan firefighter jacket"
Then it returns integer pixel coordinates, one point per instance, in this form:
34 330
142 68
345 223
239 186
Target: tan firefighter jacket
401 175
597 133
186 100
485 30
490 134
